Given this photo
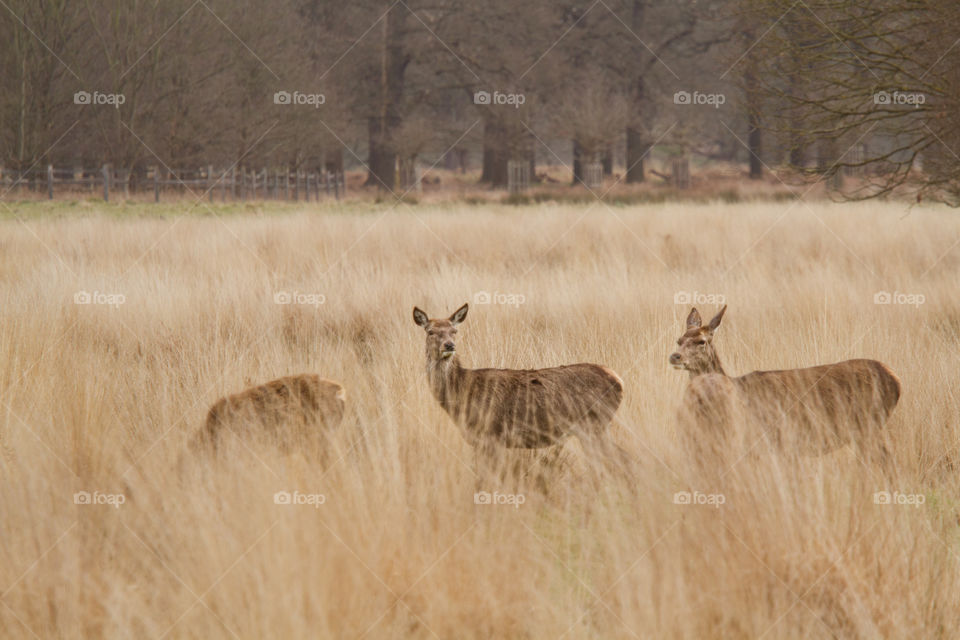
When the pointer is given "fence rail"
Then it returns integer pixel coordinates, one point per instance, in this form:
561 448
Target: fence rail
229 184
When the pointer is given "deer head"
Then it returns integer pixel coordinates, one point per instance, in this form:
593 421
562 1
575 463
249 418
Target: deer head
695 352
441 333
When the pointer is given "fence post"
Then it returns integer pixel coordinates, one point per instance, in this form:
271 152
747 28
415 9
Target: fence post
286 182
156 183
106 183
50 182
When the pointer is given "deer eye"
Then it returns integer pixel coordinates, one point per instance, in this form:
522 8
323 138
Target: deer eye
453 331
700 343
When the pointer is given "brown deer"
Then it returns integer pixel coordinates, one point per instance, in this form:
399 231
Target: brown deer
519 409
294 413
809 411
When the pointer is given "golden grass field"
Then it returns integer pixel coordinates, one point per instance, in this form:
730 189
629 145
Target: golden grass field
104 398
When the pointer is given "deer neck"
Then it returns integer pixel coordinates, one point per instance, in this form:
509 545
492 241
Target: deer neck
445 376
713 366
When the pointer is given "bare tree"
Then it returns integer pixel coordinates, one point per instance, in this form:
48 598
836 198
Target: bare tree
878 76
36 83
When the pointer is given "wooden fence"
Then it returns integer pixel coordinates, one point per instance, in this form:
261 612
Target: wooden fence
231 184
593 175
518 176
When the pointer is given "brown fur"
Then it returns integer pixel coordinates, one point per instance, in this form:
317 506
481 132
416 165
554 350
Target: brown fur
810 411
514 408
293 412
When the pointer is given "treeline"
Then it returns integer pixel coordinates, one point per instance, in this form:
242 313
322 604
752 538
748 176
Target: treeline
317 84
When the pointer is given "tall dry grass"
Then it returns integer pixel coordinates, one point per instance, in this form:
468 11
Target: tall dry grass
103 398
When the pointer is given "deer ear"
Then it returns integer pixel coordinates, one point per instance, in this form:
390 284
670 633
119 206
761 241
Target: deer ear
693 320
459 315
717 318
420 317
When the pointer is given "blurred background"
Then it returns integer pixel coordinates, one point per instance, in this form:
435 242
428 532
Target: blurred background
413 94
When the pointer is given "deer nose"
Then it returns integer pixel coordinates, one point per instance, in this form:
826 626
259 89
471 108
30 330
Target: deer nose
675 358
448 346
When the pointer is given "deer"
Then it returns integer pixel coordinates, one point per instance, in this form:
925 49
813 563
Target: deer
293 412
810 411
518 408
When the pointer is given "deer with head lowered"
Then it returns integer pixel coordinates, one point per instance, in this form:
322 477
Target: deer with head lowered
809 411
514 408
293 413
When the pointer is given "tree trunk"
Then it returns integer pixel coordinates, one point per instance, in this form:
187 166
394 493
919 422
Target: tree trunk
393 63
607 161
496 153
754 142
578 177
797 156
333 160
754 110
382 162
638 146
450 160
